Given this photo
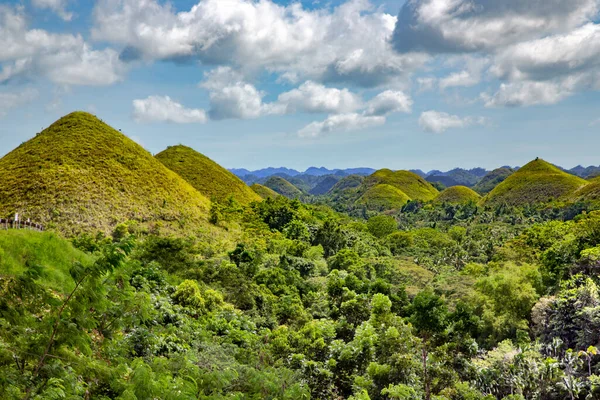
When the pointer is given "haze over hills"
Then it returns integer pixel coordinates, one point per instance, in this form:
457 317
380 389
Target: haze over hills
80 174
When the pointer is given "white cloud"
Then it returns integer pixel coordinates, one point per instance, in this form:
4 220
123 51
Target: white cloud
57 6
470 76
551 57
163 109
426 84
522 94
347 44
439 122
10 100
313 97
341 122
476 25
389 102
232 97
63 58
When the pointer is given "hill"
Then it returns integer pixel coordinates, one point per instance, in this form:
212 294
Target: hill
347 183
80 174
324 186
263 191
492 179
208 177
457 195
536 182
411 184
283 187
383 197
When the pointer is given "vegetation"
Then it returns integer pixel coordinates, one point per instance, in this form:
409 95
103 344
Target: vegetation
80 174
206 176
439 300
536 182
457 195
283 187
263 191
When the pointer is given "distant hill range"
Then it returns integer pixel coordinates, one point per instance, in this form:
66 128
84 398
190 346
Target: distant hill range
318 181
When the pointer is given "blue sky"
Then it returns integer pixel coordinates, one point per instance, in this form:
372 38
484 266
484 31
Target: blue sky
433 84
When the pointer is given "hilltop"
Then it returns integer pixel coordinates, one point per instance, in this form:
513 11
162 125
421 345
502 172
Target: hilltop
80 174
536 182
457 195
411 184
263 191
283 187
208 177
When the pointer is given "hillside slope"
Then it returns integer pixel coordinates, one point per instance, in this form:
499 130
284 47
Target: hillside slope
383 197
537 182
283 187
208 177
263 191
80 174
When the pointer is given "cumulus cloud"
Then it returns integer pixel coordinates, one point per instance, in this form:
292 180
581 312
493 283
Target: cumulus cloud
375 113
347 44
63 58
164 109
57 6
341 122
232 97
524 94
483 25
469 76
389 102
10 100
313 97
439 122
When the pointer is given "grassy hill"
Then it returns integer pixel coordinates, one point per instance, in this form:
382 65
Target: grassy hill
283 187
80 174
411 184
347 183
457 195
590 192
263 191
537 182
383 197
492 179
208 177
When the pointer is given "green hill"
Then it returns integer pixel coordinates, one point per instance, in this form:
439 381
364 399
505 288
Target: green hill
411 184
263 191
589 192
457 195
347 183
208 177
283 187
80 174
383 197
492 179
537 182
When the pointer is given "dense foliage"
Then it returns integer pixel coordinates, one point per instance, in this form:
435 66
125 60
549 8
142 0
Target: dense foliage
438 301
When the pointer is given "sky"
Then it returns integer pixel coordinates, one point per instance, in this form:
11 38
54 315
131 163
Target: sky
429 84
